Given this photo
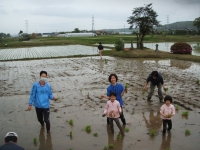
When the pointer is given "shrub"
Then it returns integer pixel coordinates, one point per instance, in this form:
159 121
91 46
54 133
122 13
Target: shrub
181 48
119 45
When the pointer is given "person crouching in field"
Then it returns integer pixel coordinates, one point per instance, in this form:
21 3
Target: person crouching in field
113 111
167 110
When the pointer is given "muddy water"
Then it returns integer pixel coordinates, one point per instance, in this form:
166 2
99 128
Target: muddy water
79 82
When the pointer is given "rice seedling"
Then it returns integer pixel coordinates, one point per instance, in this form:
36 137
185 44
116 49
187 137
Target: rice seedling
106 61
110 146
105 148
71 122
185 113
177 107
166 89
197 81
168 148
143 92
88 128
152 133
70 133
95 134
35 141
127 130
126 88
187 132
120 136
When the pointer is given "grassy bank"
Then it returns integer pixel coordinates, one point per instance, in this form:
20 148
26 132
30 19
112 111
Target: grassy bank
105 39
148 53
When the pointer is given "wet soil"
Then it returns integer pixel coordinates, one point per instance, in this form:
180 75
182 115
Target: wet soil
79 83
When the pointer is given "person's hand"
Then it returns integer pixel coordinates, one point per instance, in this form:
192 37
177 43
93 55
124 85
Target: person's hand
103 115
29 108
144 88
104 96
55 99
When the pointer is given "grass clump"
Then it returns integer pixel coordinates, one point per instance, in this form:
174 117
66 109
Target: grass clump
88 128
152 133
120 136
187 132
71 122
185 113
95 134
177 107
127 130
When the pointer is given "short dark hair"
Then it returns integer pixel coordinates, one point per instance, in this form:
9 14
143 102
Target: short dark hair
168 98
43 72
99 42
11 138
110 76
113 94
154 74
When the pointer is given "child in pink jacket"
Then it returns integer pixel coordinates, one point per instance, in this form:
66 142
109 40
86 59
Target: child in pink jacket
112 111
167 110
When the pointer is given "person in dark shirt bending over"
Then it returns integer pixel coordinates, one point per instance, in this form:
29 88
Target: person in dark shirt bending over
156 79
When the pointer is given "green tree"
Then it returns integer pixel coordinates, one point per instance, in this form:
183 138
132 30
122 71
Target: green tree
143 18
196 23
76 30
20 32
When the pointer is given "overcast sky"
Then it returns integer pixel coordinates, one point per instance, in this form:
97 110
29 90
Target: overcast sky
66 15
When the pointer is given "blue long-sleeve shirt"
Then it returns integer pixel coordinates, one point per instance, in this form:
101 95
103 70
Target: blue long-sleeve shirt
118 89
40 95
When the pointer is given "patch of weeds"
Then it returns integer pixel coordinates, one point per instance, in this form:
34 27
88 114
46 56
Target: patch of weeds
152 133
71 122
185 113
105 148
88 129
187 132
127 130
95 134
177 107
110 146
168 148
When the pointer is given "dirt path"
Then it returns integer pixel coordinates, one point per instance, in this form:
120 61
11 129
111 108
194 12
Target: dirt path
79 82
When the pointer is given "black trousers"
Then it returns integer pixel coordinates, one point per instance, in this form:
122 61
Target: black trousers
165 123
121 117
43 116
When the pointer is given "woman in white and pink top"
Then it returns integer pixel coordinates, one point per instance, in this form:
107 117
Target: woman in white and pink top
113 111
167 110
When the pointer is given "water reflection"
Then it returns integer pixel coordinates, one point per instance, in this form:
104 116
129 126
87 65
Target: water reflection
45 144
166 140
154 122
118 142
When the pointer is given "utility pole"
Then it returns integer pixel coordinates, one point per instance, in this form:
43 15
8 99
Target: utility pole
92 23
26 26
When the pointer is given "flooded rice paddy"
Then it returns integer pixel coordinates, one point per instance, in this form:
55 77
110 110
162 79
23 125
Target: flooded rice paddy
79 83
